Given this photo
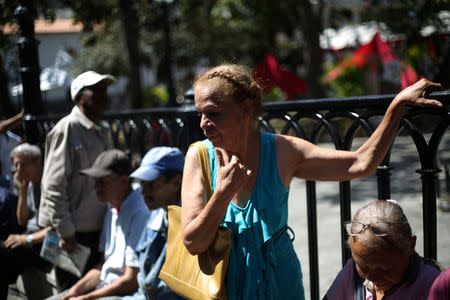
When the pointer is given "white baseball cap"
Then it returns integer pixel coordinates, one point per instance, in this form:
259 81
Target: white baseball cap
88 78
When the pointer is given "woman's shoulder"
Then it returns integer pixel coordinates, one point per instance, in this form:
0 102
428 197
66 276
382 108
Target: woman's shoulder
344 282
429 268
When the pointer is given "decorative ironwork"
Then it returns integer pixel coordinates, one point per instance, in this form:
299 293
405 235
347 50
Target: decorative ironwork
337 121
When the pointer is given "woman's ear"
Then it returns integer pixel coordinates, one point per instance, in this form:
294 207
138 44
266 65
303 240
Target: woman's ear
247 108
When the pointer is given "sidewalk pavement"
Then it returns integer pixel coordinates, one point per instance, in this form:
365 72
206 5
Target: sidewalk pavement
405 188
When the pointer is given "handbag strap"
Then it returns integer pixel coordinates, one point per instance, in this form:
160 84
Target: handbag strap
203 158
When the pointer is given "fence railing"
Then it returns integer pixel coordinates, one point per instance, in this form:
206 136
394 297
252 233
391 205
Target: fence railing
337 121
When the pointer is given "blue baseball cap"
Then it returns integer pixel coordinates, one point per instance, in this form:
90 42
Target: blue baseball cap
157 161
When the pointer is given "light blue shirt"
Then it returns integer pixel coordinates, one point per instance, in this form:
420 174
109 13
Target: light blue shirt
120 236
152 254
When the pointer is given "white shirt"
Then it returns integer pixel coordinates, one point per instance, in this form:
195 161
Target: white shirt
120 235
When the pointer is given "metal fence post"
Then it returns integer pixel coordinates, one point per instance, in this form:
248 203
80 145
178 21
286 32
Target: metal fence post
383 180
429 179
311 206
29 68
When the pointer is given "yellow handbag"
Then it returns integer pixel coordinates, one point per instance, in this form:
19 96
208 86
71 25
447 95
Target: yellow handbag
196 276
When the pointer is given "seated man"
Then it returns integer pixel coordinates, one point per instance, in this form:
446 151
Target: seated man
384 263
160 174
124 221
21 251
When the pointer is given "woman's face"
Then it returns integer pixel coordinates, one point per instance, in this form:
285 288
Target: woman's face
384 267
221 120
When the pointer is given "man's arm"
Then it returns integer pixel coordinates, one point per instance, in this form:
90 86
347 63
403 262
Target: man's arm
19 240
11 123
23 211
86 283
39 236
123 285
55 205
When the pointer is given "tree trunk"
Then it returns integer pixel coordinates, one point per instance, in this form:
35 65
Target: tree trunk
311 28
131 32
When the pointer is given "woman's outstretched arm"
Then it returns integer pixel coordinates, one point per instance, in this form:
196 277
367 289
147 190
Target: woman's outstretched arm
299 158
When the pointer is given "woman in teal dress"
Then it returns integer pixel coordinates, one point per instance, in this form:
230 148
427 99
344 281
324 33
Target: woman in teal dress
251 173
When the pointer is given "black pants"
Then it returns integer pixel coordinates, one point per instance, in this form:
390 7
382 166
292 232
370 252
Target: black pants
64 279
14 261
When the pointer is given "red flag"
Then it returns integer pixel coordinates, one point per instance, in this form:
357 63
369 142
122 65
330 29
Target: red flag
383 49
408 75
268 74
364 55
372 54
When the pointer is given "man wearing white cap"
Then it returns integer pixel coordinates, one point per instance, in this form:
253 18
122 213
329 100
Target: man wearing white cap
160 175
68 200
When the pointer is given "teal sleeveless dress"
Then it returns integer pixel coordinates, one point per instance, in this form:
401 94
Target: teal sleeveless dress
263 263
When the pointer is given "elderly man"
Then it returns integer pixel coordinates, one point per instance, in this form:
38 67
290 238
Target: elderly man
124 221
21 251
160 175
68 200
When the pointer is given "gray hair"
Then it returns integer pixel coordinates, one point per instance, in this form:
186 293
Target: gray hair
26 149
389 218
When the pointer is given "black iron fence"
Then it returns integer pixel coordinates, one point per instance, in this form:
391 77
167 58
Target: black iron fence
338 121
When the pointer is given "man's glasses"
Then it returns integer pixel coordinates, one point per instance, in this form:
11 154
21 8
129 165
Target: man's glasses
378 229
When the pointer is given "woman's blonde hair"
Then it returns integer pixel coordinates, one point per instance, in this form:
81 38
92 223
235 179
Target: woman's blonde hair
232 81
387 217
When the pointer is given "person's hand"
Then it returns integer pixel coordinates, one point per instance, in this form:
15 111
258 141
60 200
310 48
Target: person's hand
11 123
22 183
68 244
417 94
231 173
15 241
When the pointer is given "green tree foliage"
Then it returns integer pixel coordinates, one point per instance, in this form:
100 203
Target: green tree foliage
204 32
103 50
124 34
428 55
236 31
91 13
408 18
210 32
351 82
